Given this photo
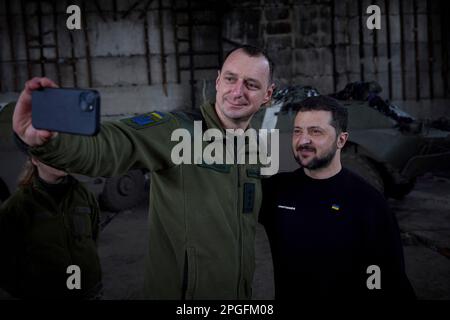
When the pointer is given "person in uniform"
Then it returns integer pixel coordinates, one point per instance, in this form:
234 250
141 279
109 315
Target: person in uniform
202 216
48 225
331 233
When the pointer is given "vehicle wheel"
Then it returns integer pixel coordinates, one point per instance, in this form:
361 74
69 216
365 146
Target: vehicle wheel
4 191
124 192
362 167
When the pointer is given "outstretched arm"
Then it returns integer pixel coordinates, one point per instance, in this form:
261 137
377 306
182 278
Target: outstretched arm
119 146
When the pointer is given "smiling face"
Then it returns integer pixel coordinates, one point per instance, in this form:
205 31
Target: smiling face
242 86
314 140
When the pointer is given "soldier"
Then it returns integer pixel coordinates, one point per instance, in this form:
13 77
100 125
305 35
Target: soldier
49 224
202 216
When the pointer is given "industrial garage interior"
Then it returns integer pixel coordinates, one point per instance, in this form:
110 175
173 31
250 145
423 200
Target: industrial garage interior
145 55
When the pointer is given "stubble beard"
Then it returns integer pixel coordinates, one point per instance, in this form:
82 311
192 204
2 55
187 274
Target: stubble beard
317 162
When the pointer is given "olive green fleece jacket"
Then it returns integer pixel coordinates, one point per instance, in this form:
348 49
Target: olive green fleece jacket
41 237
202 217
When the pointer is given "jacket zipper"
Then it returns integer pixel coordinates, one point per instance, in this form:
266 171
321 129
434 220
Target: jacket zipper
67 232
184 284
239 222
69 247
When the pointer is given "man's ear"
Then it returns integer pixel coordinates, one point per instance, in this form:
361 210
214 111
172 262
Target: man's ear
217 79
269 93
342 139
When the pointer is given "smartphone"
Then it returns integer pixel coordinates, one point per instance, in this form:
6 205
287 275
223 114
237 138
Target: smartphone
68 110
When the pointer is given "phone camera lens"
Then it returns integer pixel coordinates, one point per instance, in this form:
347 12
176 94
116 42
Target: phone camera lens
87 102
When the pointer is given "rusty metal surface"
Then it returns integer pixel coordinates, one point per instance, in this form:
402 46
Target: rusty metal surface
162 49
402 48
388 45
430 49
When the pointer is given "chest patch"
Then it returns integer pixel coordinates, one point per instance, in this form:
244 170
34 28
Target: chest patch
146 120
335 207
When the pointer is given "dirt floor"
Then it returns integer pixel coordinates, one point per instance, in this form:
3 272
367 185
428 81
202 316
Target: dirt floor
424 219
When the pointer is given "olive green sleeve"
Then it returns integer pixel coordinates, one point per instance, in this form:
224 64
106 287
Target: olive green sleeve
118 148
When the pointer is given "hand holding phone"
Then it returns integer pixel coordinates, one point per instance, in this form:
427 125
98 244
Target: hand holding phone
69 110
22 122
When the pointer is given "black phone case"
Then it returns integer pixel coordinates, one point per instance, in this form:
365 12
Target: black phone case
74 111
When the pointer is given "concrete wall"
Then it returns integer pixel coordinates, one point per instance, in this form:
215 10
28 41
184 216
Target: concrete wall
321 43
317 43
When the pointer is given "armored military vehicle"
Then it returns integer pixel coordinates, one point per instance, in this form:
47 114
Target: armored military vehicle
386 146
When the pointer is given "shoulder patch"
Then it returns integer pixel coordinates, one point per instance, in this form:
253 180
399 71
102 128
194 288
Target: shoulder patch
146 120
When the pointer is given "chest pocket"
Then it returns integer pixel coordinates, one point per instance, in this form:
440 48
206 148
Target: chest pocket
249 197
80 222
252 190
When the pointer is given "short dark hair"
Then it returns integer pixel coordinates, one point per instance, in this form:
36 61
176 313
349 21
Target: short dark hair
339 114
253 51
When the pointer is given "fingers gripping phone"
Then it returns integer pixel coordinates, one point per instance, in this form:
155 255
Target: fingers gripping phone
68 110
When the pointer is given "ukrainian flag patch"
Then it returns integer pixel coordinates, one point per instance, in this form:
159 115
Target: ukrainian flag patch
335 207
146 120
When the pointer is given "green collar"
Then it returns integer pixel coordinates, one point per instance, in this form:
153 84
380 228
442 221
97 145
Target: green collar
209 114
212 119
56 191
41 184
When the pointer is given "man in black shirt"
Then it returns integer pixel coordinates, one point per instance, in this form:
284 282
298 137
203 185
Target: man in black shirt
331 233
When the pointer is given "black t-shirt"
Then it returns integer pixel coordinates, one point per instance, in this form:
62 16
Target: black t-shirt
325 233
